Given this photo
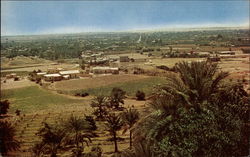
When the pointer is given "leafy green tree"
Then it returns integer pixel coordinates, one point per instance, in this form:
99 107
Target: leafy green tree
114 124
116 97
7 138
130 117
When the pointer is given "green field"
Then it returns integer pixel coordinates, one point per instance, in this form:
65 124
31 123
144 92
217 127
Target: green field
131 87
33 98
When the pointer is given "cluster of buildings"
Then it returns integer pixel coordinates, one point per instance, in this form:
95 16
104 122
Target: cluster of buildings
99 57
12 75
58 74
105 70
94 58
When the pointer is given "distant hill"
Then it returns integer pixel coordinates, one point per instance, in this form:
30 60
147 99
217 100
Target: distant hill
21 61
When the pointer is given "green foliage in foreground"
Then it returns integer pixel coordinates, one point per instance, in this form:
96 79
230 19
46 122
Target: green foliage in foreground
146 85
72 134
33 98
196 114
7 138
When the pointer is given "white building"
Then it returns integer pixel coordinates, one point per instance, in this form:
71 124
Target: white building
52 77
71 73
105 70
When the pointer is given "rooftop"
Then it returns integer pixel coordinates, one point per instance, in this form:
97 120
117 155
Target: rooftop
41 73
69 72
52 75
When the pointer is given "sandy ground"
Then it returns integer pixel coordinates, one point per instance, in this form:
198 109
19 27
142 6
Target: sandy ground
10 83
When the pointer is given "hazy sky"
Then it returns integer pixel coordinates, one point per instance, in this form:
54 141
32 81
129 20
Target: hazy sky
33 17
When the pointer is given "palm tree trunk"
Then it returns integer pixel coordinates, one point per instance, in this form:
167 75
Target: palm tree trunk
130 139
76 140
115 140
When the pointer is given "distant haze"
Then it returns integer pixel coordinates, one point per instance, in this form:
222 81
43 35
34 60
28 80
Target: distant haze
51 17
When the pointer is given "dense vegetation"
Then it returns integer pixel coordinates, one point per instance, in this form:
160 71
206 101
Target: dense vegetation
196 113
71 46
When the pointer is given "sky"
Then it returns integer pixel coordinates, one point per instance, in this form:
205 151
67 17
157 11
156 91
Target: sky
49 17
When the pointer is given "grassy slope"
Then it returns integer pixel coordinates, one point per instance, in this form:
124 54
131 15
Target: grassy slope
21 62
146 85
30 99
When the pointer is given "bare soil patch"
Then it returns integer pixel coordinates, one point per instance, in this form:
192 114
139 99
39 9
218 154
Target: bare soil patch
11 84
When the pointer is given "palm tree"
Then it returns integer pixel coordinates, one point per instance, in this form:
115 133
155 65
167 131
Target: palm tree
202 79
78 126
100 103
195 97
116 97
130 117
53 139
114 124
7 140
195 83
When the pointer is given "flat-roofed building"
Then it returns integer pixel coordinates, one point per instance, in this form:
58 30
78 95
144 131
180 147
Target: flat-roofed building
71 73
105 70
52 77
41 74
227 53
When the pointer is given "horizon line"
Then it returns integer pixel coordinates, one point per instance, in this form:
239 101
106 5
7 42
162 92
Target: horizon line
177 28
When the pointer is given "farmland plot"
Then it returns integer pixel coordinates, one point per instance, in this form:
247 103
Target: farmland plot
28 125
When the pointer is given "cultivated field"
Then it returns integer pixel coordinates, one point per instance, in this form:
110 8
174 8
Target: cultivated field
35 99
50 107
95 81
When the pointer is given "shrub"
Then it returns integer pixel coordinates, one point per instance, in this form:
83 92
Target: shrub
140 95
84 94
4 106
77 94
18 112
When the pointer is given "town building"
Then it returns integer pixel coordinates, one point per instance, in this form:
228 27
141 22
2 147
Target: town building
71 73
105 70
53 77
